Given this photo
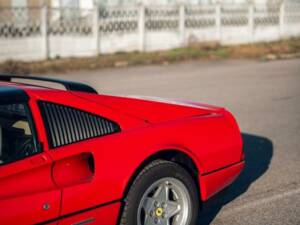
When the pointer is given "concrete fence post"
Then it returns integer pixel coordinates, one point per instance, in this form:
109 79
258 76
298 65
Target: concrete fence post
44 31
251 22
96 32
281 20
141 27
182 24
218 22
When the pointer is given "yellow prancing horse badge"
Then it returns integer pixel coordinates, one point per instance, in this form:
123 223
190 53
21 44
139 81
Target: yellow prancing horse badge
159 212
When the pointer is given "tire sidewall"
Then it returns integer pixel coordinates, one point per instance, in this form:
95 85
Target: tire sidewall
164 169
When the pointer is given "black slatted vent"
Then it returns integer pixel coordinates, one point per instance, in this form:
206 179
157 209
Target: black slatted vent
66 125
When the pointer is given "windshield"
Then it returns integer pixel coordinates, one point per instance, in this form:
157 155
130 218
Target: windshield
16 133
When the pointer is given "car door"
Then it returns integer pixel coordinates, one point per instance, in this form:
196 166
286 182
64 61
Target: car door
28 194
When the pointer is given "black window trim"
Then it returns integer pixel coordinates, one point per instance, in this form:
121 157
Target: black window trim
72 108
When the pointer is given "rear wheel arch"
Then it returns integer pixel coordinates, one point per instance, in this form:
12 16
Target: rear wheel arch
173 155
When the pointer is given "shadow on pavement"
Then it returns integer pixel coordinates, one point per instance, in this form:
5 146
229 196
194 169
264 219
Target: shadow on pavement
259 152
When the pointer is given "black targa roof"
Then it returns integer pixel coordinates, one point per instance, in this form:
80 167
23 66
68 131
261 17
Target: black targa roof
12 95
69 85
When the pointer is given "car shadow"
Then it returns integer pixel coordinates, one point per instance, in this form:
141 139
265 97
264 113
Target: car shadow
258 152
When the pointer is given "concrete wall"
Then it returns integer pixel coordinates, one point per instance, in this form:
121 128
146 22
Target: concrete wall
140 28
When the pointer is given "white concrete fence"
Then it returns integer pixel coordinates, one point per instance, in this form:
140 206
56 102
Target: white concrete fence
39 33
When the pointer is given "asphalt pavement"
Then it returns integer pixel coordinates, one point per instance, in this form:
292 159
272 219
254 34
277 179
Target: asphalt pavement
265 99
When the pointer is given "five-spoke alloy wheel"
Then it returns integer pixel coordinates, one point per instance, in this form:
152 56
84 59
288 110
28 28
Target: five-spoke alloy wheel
164 193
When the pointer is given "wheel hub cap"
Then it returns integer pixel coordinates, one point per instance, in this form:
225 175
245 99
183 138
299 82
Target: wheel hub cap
166 202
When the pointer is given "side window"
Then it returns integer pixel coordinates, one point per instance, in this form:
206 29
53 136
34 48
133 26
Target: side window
17 136
66 125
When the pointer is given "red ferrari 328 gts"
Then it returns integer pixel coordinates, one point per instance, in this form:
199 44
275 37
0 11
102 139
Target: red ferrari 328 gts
75 157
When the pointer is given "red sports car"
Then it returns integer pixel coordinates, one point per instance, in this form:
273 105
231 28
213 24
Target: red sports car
77 157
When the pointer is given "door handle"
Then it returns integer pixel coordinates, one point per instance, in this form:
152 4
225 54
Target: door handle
73 170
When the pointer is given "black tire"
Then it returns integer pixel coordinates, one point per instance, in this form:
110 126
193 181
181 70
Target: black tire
155 171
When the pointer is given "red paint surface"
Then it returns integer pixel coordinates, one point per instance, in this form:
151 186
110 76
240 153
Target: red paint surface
215 182
106 215
208 135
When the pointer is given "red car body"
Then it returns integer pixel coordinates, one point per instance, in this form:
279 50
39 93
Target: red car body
57 186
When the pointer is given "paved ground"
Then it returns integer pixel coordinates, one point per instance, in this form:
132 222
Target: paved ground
265 98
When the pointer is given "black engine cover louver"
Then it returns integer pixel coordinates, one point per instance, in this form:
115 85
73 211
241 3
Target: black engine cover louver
66 125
